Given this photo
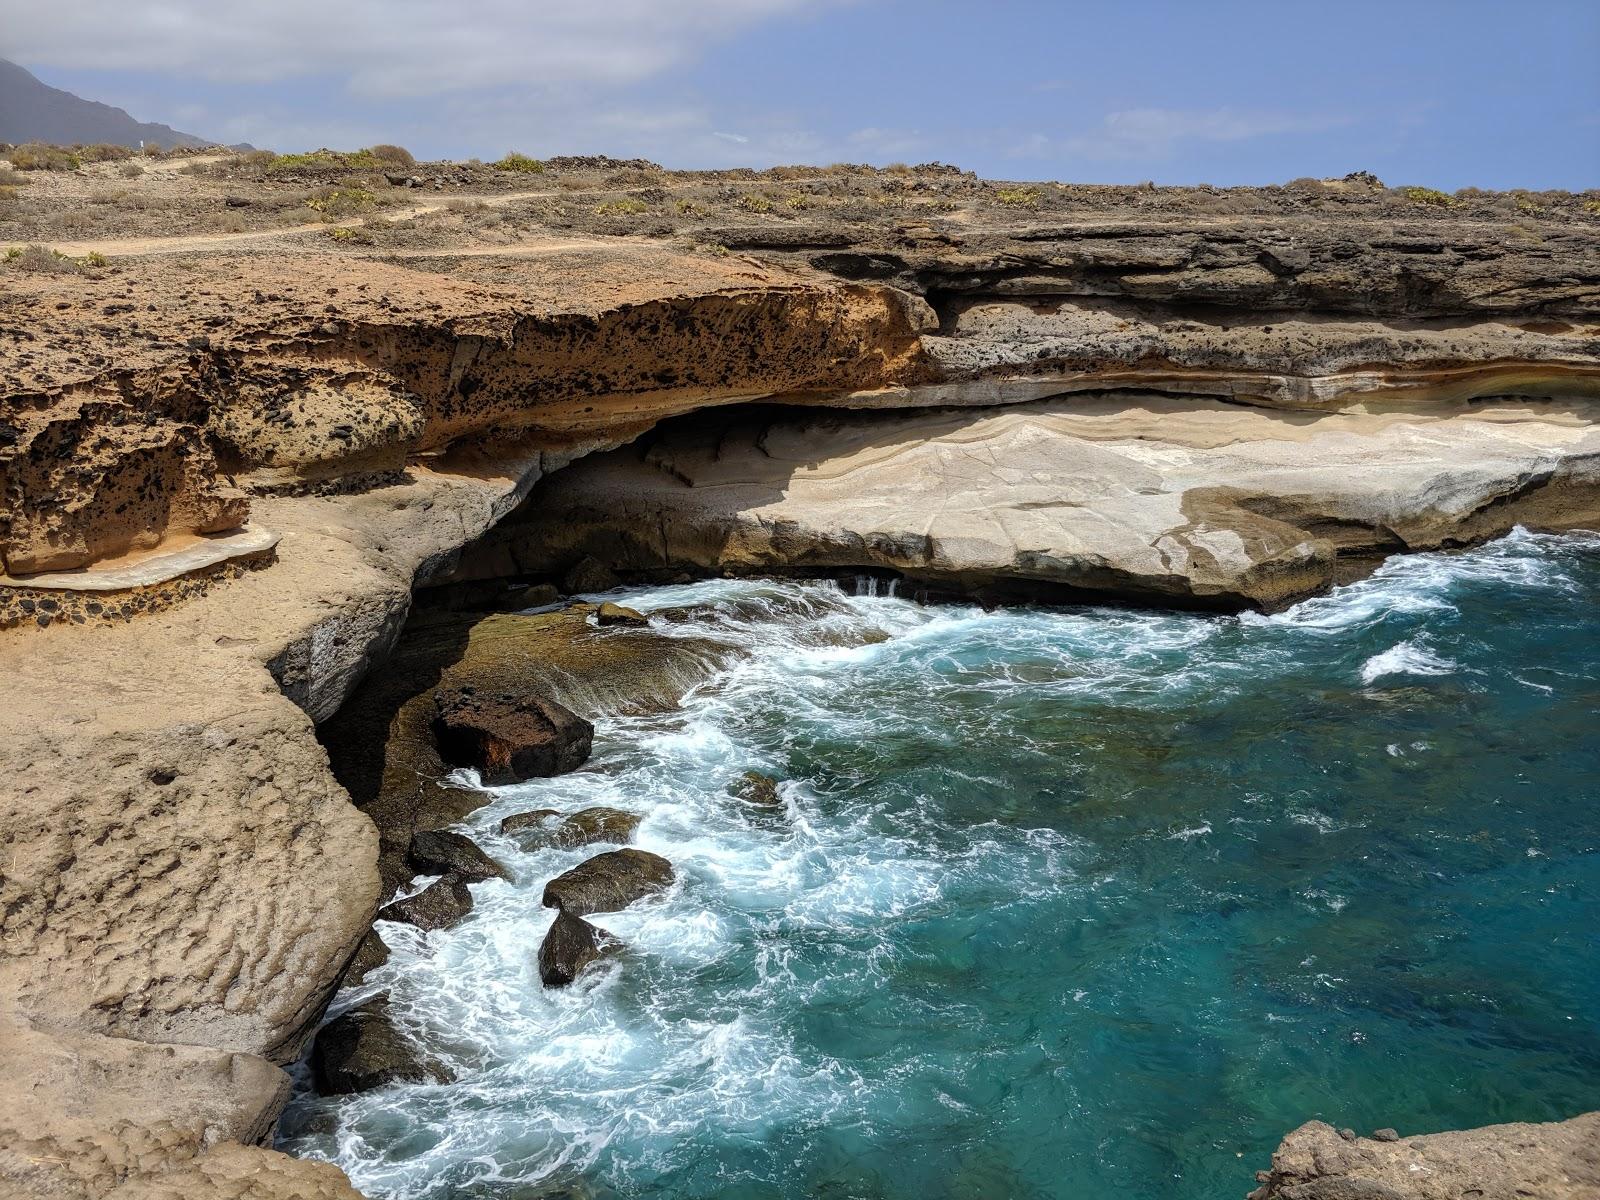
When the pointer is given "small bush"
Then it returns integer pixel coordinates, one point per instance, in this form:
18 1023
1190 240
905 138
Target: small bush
93 259
345 235
1592 207
796 202
10 178
1432 197
36 156
391 156
1017 197
626 207
754 202
102 152
130 170
41 259
687 208
520 163
335 204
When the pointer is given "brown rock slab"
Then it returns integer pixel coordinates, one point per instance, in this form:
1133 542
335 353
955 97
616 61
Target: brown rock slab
589 575
364 1049
1555 1161
570 945
442 852
609 882
234 1172
757 788
510 737
438 906
547 827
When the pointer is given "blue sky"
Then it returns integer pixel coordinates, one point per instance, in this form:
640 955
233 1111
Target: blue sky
1447 94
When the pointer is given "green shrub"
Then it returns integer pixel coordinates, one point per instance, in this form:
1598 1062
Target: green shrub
390 156
335 204
1017 197
1429 196
754 202
92 259
626 207
36 156
520 163
102 152
1592 207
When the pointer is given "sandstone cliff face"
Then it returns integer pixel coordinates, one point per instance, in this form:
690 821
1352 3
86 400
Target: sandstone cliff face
184 879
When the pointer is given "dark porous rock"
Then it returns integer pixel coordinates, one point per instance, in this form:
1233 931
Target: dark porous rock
1385 1135
363 1049
440 852
587 575
509 737
754 787
370 954
619 614
547 827
571 945
438 906
609 882
1555 1161
538 595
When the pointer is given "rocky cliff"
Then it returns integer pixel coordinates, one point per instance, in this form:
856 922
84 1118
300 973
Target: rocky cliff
223 471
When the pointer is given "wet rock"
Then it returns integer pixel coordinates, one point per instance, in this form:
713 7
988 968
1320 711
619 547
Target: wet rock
619 614
440 852
509 737
609 882
438 906
363 1049
536 596
370 954
588 575
571 945
754 787
547 827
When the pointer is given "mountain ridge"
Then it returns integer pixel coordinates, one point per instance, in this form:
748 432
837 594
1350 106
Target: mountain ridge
33 111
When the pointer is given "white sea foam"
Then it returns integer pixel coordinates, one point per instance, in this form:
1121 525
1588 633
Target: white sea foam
1407 658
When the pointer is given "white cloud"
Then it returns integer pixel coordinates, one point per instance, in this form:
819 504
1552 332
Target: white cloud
383 49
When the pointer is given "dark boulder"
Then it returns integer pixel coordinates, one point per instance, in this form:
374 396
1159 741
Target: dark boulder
438 906
758 789
547 827
370 954
509 737
609 882
571 945
363 1049
537 595
440 852
619 614
587 575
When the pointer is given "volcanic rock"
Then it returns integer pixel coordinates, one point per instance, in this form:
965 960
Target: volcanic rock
509 737
754 787
609 882
587 575
441 852
438 906
362 1049
547 827
570 945
370 954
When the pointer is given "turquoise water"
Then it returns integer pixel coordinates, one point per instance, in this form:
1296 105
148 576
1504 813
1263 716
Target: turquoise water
1064 903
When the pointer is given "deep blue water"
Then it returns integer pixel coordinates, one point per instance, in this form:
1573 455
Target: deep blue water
1065 903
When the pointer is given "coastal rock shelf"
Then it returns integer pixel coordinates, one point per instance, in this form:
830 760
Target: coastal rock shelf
1216 410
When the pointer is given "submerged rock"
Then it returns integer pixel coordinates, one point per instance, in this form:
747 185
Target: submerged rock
371 953
363 1049
1555 1161
757 788
570 945
609 882
510 737
440 852
438 906
547 827
588 575
619 614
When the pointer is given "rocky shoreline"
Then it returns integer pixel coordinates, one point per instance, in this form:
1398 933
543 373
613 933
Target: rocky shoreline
186 879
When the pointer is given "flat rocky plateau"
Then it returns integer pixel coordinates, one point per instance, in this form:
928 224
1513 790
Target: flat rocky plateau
252 411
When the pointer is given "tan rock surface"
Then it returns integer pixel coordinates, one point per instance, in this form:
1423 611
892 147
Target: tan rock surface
1555 1161
1155 498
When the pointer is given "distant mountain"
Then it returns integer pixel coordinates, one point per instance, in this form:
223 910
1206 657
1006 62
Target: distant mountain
31 111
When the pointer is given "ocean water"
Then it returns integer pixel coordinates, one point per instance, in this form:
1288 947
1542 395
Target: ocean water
1063 903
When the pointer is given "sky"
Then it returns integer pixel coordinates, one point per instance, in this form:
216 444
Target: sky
1443 93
